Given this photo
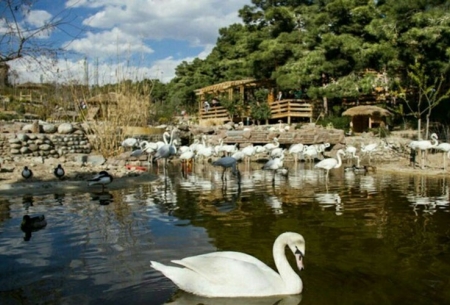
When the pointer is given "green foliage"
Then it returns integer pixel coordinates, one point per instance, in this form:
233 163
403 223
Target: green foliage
234 106
8 116
259 108
335 119
20 108
260 111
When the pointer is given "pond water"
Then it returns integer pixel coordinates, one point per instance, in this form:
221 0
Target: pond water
378 238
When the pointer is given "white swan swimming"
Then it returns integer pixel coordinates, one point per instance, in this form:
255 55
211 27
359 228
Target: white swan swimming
236 274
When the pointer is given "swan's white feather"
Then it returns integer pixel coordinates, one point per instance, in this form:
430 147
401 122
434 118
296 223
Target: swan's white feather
235 274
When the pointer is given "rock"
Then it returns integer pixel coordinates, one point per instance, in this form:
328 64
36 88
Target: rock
49 128
96 159
33 147
14 141
44 147
65 128
88 159
37 160
24 150
27 127
22 137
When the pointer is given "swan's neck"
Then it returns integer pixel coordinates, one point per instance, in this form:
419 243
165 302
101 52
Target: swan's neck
338 156
171 137
165 135
435 142
287 274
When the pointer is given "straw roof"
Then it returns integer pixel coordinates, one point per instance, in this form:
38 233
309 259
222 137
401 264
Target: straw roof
225 85
366 110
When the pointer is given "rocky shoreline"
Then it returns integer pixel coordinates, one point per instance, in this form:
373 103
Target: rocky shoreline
392 155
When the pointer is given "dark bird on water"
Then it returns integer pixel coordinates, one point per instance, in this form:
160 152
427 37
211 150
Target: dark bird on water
59 172
32 224
102 179
27 173
226 163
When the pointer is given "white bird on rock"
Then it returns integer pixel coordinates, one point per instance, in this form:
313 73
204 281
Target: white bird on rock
236 274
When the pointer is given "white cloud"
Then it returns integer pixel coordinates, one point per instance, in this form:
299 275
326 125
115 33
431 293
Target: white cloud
195 21
108 43
73 71
37 18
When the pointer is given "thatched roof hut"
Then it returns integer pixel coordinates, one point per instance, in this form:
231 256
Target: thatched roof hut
366 117
366 110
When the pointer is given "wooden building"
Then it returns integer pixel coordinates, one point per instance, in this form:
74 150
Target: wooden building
285 109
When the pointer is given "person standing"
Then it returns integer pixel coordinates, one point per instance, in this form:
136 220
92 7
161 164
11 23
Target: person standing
206 105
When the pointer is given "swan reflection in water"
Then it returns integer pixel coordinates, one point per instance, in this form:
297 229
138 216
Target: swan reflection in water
104 198
421 200
183 298
327 200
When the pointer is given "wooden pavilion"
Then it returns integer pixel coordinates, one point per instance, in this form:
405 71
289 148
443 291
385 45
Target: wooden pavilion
282 109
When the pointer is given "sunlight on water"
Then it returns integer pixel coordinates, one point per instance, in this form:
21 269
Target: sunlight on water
384 236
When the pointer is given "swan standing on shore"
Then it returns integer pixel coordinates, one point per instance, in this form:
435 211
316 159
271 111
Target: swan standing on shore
236 274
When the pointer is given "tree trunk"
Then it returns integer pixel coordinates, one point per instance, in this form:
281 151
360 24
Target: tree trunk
325 105
419 127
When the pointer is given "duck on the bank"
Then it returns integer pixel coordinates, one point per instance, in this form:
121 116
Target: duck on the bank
102 179
27 173
59 172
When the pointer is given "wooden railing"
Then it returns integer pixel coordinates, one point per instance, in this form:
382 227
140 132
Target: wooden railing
215 112
291 108
288 108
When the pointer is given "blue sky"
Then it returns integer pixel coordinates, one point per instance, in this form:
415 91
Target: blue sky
125 39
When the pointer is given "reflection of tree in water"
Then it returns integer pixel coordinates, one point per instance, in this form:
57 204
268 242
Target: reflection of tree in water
164 195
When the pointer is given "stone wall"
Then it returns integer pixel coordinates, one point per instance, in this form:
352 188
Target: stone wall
51 141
